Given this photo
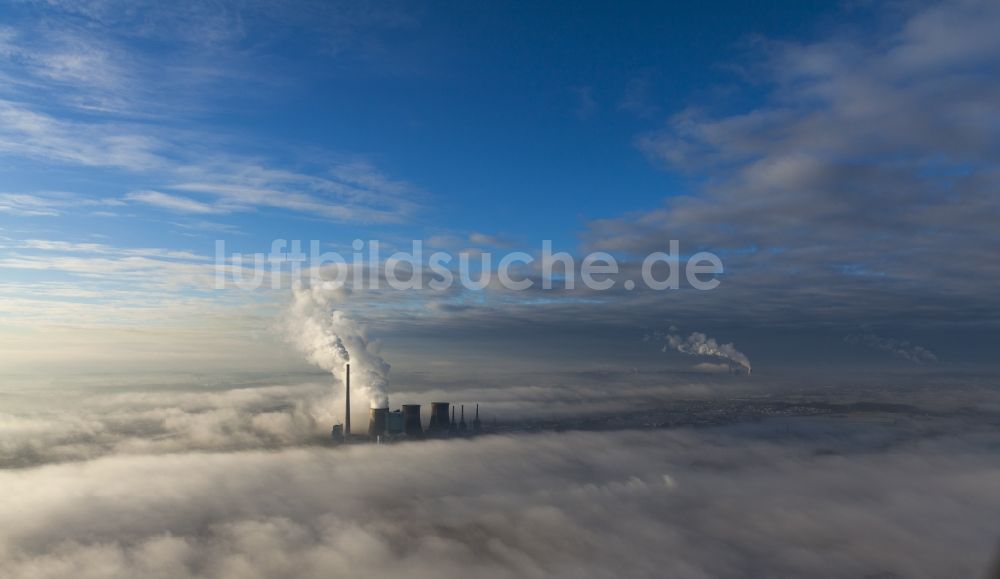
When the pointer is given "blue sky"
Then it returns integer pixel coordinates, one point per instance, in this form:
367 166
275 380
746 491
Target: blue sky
818 147
513 121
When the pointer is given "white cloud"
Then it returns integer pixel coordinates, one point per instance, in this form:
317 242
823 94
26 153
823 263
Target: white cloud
846 191
359 193
353 192
28 205
172 202
487 240
29 133
607 505
51 245
49 204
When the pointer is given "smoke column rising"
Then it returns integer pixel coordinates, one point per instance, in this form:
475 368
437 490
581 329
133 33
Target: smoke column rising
330 339
698 344
911 352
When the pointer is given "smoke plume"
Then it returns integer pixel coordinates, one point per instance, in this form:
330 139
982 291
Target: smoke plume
698 344
911 352
330 339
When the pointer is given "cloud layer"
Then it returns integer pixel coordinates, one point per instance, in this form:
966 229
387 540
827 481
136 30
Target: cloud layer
859 187
630 504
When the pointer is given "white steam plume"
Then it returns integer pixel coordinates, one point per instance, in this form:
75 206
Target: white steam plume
698 344
903 349
330 339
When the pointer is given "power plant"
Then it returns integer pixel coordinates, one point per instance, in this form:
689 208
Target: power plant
378 422
439 418
412 426
404 424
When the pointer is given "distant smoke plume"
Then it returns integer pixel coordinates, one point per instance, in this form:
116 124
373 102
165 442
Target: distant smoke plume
330 339
698 344
903 349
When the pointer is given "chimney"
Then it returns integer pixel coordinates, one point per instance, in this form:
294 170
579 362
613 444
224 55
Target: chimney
476 425
347 404
411 421
453 427
461 423
439 418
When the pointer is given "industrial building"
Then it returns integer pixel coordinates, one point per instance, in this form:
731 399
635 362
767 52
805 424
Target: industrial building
405 423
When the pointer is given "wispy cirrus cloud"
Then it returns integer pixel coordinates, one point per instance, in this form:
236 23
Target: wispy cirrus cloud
119 85
28 205
172 202
104 249
113 268
130 58
27 132
307 195
334 190
49 204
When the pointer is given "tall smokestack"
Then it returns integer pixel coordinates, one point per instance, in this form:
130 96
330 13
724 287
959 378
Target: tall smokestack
461 423
347 404
476 425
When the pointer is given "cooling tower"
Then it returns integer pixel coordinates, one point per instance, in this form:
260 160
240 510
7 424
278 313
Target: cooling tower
411 421
377 421
395 424
440 420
